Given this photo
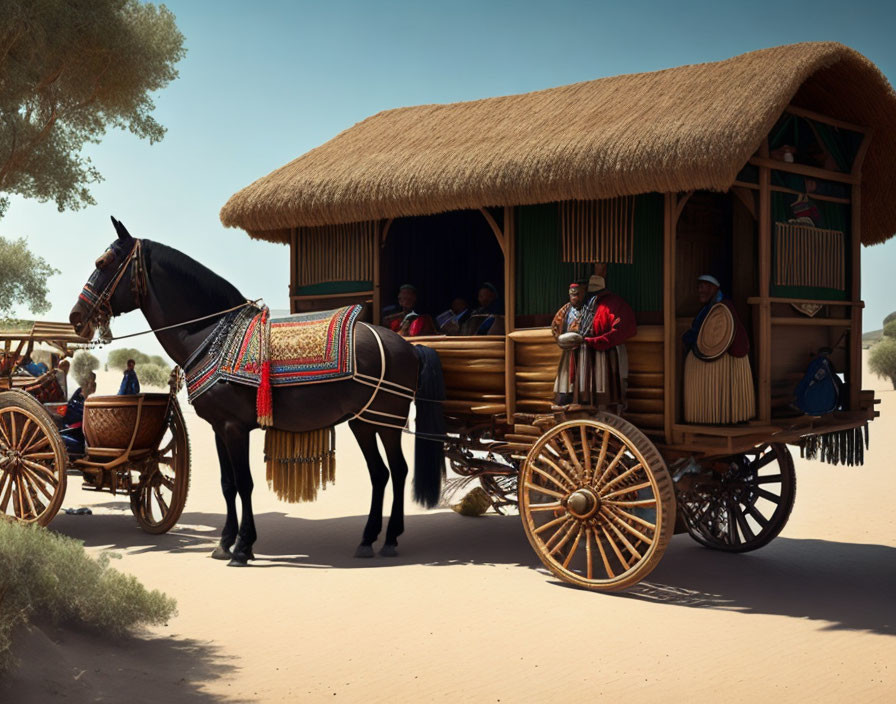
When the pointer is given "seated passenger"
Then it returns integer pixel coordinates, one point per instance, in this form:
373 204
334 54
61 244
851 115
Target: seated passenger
403 319
488 318
718 382
450 322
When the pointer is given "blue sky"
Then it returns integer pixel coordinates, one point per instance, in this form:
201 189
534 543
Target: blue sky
264 82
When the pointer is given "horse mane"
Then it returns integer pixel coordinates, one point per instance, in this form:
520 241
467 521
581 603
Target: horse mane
209 288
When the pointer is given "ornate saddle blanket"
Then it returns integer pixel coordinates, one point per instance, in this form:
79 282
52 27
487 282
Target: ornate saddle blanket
247 347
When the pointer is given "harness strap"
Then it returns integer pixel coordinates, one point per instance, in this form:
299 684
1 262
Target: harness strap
377 387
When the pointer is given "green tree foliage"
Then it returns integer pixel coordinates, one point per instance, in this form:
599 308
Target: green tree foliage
51 576
153 375
118 359
82 364
23 277
882 360
890 329
70 70
889 318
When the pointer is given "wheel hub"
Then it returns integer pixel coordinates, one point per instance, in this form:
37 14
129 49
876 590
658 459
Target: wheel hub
583 504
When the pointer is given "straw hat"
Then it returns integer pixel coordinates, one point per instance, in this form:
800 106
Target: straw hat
716 333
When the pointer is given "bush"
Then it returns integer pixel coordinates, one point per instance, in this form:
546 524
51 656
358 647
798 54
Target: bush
891 317
118 359
153 375
52 575
82 364
890 329
882 360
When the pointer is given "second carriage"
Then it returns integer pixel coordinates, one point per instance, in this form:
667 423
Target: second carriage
136 445
661 178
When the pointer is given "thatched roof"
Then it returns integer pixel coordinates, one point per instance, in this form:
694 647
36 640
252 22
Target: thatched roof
684 128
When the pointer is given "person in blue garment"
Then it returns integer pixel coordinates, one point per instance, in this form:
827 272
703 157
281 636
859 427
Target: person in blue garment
130 385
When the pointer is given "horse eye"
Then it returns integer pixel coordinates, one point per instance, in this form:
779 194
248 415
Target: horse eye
105 259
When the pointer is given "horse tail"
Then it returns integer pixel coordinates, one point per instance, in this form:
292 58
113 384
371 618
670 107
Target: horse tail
429 453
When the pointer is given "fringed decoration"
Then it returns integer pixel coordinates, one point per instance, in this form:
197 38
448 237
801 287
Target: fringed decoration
846 447
809 256
300 464
719 391
598 230
264 403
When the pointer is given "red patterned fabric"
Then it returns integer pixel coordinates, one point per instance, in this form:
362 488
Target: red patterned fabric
614 322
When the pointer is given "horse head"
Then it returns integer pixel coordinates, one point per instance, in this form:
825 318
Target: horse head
115 286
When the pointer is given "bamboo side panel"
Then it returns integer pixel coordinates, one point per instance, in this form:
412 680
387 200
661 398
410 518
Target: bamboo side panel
335 253
537 357
474 373
809 256
598 230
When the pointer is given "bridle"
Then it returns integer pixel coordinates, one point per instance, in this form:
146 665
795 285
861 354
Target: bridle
99 310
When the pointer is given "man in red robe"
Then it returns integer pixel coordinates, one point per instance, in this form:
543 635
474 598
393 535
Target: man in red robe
403 319
596 372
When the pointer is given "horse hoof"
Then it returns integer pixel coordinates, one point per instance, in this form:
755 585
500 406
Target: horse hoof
389 551
364 551
222 553
241 561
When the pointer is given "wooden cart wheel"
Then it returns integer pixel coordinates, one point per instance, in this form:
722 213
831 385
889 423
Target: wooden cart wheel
597 502
33 461
159 497
743 507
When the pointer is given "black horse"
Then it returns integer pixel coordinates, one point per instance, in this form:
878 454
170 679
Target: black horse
170 288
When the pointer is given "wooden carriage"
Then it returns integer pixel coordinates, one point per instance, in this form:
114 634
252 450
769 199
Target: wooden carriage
136 445
663 176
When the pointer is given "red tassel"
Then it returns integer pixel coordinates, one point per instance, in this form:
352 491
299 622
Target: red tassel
264 403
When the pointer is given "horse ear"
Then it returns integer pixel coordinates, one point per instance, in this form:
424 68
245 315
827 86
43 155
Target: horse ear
122 231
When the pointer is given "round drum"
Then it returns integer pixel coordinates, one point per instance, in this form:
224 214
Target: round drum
570 340
716 333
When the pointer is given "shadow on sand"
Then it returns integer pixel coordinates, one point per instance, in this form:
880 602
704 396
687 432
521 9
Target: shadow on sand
846 585
58 664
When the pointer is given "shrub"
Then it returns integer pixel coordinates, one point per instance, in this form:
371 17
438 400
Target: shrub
52 575
882 360
82 364
153 375
118 359
890 317
890 329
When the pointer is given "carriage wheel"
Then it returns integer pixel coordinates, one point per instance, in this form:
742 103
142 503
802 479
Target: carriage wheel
597 502
159 498
745 506
33 461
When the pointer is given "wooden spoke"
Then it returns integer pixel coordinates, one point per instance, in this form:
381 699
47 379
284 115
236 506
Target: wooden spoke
615 547
41 470
20 498
4 431
542 490
770 479
764 460
163 505
588 558
574 546
603 555
757 516
30 494
4 501
640 502
561 459
27 432
554 480
573 455
553 506
625 490
742 522
625 541
611 466
13 432
40 483
602 455
626 516
551 524
616 520
39 443
586 453
557 534
557 469
767 495
565 539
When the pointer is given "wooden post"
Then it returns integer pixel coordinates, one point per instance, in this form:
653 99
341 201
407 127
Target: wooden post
855 331
763 344
670 337
509 311
379 241
293 265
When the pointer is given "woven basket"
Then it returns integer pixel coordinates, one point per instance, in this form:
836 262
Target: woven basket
109 421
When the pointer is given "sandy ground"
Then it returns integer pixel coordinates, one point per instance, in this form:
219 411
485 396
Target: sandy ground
467 612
